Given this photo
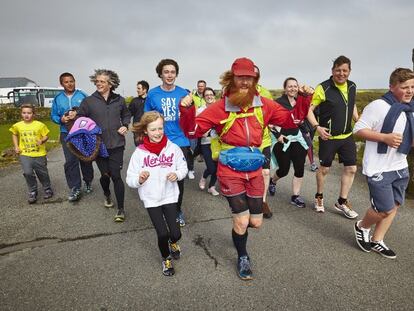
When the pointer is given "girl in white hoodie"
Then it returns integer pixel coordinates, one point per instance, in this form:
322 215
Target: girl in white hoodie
155 167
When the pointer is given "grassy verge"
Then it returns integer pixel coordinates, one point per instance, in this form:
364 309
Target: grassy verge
7 144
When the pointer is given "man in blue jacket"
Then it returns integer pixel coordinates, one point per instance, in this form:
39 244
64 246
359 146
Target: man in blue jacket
63 112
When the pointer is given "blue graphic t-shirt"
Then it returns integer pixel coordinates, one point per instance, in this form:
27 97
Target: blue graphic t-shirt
167 103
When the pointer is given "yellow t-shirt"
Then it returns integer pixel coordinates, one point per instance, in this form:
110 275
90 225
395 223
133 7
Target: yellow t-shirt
29 134
319 97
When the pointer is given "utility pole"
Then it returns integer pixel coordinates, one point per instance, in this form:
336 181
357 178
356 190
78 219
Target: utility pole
412 58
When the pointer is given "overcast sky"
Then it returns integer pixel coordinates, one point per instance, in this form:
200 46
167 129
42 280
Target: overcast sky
43 38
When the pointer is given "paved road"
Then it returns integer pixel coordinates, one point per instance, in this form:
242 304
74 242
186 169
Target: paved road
61 256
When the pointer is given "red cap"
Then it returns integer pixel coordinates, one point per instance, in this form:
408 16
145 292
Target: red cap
243 67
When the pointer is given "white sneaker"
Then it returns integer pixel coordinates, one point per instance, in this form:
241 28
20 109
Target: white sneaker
319 208
213 191
202 183
191 175
346 209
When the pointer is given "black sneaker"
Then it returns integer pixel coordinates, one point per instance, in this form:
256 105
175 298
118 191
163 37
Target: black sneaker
383 250
167 267
298 201
362 238
272 187
32 197
74 195
175 250
48 193
120 216
108 201
243 268
88 187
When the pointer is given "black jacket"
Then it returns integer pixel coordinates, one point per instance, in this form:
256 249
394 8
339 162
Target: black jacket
110 115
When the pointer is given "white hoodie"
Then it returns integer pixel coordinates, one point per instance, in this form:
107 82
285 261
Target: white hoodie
157 190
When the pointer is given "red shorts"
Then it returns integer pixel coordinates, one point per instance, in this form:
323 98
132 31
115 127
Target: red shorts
231 186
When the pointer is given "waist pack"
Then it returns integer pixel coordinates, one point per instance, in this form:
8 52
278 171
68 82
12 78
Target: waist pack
243 159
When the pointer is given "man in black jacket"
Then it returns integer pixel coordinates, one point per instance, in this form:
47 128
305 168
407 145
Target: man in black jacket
335 98
111 114
136 107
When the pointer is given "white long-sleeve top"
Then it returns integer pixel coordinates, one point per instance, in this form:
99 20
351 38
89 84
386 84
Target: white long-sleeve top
157 190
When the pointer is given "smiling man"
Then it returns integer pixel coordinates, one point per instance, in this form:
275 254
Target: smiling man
335 98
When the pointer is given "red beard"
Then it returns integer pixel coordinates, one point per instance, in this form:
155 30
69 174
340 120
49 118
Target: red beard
242 99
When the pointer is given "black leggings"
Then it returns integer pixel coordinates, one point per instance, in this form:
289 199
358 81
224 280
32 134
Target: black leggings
187 152
295 153
241 203
161 217
110 168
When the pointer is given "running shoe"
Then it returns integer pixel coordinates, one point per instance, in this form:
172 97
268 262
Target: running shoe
202 183
108 201
74 195
383 250
191 175
272 187
167 267
298 201
88 187
120 216
346 209
175 250
318 206
267 213
180 219
362 237
314 167
48 193
244 269
32 198
212 190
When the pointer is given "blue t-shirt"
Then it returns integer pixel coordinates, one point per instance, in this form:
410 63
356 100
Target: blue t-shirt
167 103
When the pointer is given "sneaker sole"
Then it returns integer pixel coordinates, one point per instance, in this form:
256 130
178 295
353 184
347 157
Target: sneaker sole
246 278
360 246
342 212
299 206
119 219
383 255
318 210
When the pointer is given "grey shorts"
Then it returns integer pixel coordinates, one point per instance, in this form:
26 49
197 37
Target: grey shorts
388 189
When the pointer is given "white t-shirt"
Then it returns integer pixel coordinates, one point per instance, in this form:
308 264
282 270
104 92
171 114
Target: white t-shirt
373 118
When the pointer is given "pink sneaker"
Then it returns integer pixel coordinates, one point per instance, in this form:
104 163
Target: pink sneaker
202 183
213 191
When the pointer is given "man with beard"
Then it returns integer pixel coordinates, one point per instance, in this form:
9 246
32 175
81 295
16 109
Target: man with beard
239 118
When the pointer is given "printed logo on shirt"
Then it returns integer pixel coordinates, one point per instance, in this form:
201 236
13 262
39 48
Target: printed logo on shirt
169 107
377 177
161 160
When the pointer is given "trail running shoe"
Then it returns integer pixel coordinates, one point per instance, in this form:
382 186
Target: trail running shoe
108 202
32 198
298 201
202 183
244 269
175 250
346 209
362 237
167 267
120 216
383 250
318 206
191 175
88 187
180 219
74 195
314 167
272 187
48 193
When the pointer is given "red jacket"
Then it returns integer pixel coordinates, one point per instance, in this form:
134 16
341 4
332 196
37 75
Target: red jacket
187 120
244 131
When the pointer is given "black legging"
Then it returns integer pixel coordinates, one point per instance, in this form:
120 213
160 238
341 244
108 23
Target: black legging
110 168
161 217
241 203
295 153
186 151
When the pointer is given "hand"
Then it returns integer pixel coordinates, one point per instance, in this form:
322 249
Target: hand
306 90
172 176
123 130
323 132
187 101
17 150
64 118
282 139
143 176
40 142
72 114
393 140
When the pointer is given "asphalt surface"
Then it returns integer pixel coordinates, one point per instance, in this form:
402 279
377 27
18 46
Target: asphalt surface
55 255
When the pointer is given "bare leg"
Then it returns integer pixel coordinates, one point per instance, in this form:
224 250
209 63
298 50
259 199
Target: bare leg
296 185
347 179
320 178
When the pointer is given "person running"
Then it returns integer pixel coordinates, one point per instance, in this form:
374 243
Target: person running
387 125
29 138
205 144
63 112
136 107
335 98
165 99
155 167
111 114
239 118
291 145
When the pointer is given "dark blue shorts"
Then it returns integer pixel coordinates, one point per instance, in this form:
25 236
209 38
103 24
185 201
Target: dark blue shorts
388 189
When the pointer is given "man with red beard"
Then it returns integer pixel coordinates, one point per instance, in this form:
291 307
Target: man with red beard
242 188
